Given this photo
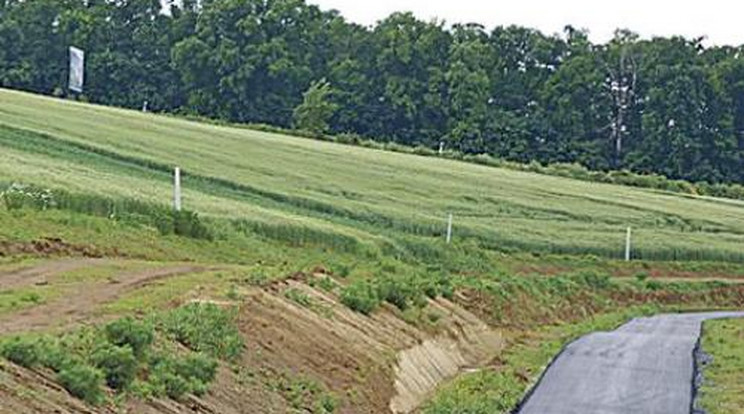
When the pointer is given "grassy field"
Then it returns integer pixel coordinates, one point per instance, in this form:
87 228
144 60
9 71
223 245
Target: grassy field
723 387
377 199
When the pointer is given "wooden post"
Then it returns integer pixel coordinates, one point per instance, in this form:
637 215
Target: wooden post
177 189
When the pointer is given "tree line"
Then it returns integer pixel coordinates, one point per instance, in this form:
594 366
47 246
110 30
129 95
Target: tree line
664 105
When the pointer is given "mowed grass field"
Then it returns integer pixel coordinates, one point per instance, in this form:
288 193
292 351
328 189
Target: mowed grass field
380 199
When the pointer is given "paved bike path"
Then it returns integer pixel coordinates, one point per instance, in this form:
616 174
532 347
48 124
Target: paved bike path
644 367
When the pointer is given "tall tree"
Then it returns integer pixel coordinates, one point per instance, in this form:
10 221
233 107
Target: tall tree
468 89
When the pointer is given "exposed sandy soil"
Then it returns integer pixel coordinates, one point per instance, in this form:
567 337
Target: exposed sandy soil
385 363
79 302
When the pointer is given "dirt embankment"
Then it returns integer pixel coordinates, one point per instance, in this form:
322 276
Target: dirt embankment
53 247
371 364
385 363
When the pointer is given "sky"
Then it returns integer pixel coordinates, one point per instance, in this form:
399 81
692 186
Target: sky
720 21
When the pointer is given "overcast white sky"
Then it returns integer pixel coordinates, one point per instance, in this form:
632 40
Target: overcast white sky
721 21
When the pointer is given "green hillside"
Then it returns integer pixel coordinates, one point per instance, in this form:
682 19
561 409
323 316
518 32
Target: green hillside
312 257
374 198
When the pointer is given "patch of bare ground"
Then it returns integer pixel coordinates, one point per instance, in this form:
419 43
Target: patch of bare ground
41 273
78 303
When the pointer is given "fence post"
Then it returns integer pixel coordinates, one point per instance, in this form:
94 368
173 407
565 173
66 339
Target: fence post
449 229
177 189
627 244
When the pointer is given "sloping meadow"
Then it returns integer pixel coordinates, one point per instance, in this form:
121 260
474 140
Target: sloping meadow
292 188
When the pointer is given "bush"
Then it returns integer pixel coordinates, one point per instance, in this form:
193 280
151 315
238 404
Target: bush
174 386
84 382
395 291
130 332
176 377
360 297
25 352
654 285
205 328
341 270
118 364
197 367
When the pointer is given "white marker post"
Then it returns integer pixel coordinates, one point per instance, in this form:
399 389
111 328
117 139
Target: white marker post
449 229
177 189
627 245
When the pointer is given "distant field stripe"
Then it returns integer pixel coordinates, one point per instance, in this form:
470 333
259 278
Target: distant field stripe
34 142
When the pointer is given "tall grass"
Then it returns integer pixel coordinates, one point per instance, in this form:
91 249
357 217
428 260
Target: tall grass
168 221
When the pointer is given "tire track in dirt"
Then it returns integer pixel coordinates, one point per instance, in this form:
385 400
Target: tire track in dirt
80 301
39 274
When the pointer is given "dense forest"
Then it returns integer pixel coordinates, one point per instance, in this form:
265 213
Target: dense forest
664 105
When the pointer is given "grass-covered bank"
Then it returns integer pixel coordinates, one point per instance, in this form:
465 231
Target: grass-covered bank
722 390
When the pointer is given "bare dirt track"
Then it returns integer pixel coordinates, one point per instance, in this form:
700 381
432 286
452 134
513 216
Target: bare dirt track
40 273
79 301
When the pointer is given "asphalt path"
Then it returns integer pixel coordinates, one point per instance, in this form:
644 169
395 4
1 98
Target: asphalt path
647 366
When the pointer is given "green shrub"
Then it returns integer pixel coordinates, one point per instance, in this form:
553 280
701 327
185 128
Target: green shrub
118 364
130 332
326 404
53 356
178 376
197 367
341 270
395 291
430 289
641 276
175 386
204 328
84 382
23 351
654 285
360 297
